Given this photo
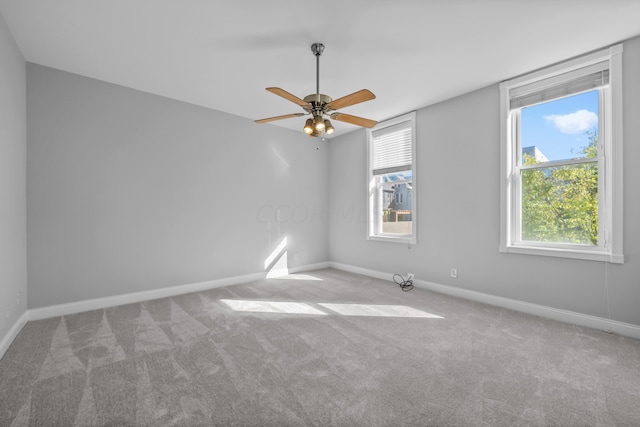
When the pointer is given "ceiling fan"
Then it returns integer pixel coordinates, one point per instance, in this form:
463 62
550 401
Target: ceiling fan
319 105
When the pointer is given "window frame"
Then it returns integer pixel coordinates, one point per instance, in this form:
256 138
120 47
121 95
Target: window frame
610 160
374 221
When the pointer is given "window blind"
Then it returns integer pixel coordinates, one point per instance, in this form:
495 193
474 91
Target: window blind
392 149
571 83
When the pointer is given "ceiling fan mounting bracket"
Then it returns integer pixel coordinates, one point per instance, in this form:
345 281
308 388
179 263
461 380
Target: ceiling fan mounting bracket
317 49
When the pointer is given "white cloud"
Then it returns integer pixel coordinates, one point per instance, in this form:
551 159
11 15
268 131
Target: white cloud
578 122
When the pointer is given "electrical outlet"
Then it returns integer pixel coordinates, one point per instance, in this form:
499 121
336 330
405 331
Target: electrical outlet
7 313
19 297
454 273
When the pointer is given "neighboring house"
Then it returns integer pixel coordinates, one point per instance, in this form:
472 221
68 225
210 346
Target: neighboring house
401 200
387 197
397 197
532 151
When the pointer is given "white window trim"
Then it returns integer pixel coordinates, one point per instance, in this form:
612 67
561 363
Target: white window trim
612 251
371 217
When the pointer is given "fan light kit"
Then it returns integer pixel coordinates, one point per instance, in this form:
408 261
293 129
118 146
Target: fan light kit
319 105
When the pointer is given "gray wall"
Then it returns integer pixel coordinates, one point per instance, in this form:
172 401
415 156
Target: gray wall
13 145
458 144
128 191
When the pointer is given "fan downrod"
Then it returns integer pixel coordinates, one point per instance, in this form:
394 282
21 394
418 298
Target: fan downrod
317 49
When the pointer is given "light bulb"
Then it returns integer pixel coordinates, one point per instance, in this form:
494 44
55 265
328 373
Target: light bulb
308 126
318 123
328 127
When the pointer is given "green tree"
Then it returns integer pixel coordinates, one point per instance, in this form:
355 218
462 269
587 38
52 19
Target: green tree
560 204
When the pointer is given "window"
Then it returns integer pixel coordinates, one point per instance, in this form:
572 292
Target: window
391 148
561 149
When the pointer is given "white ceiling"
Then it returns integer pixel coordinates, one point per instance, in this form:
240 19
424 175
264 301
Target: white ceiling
222 54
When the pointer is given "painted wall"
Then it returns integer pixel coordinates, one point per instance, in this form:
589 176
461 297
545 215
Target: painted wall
130 192
13 145
458 144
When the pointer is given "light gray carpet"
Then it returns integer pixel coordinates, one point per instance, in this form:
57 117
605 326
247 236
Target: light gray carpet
345 350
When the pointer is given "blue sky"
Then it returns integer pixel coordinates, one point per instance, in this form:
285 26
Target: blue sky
558 127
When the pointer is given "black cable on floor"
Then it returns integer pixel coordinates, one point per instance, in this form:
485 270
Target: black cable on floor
405 284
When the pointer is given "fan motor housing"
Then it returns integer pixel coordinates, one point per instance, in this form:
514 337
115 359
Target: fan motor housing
318 99
317 103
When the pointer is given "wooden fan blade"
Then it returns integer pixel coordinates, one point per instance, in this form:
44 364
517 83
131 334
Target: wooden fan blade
354 120
286 116
352 99
286 95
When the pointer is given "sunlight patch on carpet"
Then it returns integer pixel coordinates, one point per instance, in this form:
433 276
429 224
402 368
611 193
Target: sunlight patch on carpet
365 310
272 307
299 277
377 310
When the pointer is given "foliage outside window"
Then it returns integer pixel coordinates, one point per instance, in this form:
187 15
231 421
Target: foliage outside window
391 180
559 201
562 160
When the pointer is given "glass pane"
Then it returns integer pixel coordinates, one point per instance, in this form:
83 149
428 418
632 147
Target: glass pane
562 129
397 203
560 204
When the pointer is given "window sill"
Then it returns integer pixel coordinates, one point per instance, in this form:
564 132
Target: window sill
394 239
564 253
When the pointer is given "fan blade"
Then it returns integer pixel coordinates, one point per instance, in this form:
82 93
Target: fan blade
286 116
286 95
355 98
354 120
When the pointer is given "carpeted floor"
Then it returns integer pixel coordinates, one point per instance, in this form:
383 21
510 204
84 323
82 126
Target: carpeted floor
327 348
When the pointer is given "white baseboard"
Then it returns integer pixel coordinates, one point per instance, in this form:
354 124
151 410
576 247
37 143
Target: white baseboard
275 273
572 317
359 270
13 333
99 303
309 267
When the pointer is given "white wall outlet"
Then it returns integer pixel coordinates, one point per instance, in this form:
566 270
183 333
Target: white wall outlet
454 273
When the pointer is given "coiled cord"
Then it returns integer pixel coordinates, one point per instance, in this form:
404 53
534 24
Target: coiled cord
406 284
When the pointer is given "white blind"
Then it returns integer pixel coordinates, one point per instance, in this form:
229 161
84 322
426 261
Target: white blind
392 149
573 82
